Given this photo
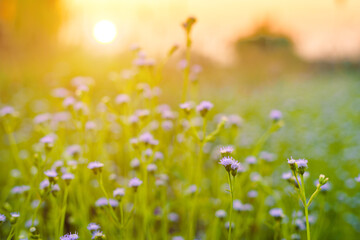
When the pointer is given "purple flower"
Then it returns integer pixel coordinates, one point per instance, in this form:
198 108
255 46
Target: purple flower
90 125
187 107
287 175
358 179
291 163
67 177
252 194
102 202
182 64
74 150
275 115
277 213
226 151
2 218
20 189
7 110
152 167
98 235
93 227
51 173
135 163
204 107
135 182
42 118
60 92
173 217
96 166
118 193
121 99
44 184
227 162
234 121
251 160
220 214
48 139
146 138
70 236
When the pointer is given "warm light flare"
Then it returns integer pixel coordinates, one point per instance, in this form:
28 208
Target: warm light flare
104 31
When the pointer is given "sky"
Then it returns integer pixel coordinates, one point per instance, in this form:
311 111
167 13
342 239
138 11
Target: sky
319 28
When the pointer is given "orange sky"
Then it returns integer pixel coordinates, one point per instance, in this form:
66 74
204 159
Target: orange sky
320 28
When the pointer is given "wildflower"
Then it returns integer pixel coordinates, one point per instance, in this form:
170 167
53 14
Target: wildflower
220 214
98 235
118 193
268 157
70 236
2 218
74 151
158 156
275 115
67 177
102 202
146 138
277 213
287 176
173 217
7 111
291 163
252 194
60 92
42 118
69 102
192 189
96 167
55 189
14 216
234 167
323 180
177 238
20 189
161 179
90 125
122 99
204 107
301 165
226 151
44 184
234 121
237 205
187 107
167 125
251 160
93 227
48 141
152 168
357 178
52 175
135 163
135 183
227 162
148 152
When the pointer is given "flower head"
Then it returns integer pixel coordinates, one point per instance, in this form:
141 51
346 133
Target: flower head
301 165
275 115
93 227
277 213
96 167
2 218
226 151
98 235
70 236
204 107
135 183
118 193
227 162
220 214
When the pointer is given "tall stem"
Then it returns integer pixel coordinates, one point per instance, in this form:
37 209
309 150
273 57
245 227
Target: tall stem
63 211
113 215
306 207
231 205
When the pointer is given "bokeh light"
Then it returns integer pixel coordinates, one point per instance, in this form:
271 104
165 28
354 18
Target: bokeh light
105 31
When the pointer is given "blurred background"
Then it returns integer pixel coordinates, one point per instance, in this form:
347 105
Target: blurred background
259 41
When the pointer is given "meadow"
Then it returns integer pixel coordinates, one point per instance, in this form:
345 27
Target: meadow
134 156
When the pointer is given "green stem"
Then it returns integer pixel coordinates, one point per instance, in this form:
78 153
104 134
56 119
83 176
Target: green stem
11 234
63 212
231 205
306 208
113 215
313 196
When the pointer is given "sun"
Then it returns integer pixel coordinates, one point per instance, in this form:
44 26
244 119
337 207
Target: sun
104 31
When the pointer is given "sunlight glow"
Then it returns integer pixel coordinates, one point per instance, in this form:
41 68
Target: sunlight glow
104 31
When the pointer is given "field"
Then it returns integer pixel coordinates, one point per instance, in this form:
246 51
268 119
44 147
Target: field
166 150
